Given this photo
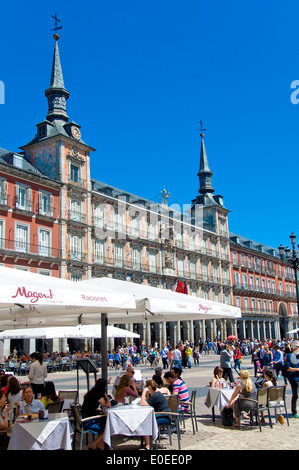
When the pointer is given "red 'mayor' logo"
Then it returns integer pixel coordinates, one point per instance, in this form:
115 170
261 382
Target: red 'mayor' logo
34 296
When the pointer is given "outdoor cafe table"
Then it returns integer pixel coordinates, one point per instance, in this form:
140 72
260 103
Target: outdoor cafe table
218 397
130 420
39 434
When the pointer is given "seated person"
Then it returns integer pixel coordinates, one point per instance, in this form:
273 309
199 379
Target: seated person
4 410
49 394
124 390
28 404
178 386
130 372
270 381
152 397
244 389
157 377
92 400
218 373
14 392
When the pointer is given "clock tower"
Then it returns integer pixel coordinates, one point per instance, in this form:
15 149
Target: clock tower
58 151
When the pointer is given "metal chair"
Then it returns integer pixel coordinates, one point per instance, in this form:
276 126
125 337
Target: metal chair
68 395
277 399
55 407
255 407
190 411
173 403
79 425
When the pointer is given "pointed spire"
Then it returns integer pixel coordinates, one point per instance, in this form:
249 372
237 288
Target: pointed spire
204 174
56 93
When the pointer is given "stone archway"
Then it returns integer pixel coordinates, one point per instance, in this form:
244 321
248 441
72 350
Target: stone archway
282 314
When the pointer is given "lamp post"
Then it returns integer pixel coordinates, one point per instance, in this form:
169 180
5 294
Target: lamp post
290 256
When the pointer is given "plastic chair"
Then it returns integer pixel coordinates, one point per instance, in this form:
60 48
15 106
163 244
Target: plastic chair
79 425
277 399
55 407
190 411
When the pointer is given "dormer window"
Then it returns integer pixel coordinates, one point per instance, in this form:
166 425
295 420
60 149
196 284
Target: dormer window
42 131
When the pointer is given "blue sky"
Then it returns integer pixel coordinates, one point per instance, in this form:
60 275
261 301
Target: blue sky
142 74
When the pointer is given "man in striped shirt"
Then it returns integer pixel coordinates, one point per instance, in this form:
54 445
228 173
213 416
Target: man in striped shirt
178 386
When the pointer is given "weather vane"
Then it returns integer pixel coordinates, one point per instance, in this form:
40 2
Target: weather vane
56 35
201 126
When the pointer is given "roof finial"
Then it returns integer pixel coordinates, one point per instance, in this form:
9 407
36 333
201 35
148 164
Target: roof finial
56 35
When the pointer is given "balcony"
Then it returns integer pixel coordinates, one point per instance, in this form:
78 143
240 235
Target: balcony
76 216
5 201
21 249
77 256
23 206
261 291
46 212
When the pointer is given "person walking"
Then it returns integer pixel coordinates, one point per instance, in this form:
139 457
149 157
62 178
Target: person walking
292 364
226 358
237 359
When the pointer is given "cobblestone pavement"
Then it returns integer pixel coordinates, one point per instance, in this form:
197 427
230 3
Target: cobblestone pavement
210 435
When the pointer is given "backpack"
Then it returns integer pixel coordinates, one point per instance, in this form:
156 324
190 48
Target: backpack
227 417
260 382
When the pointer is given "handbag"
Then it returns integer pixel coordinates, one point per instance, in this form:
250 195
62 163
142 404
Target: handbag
227 417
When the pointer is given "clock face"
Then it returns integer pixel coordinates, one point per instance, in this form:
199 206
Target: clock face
75 131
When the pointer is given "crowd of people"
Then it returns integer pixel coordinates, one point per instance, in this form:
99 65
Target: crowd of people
270 359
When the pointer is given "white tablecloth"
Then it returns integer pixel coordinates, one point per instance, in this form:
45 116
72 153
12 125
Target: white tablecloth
130 420
53 433
218 397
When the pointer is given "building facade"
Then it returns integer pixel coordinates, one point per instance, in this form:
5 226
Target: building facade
264 288
76 227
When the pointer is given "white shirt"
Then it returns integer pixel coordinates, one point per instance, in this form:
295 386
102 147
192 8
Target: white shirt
37 372
176 355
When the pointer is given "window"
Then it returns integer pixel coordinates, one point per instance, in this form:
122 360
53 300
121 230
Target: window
23 197
45 203
75 211
135 227
136 258
74 173
118 255
237 279
152 262
21 238
180 267
44 242
3 192
44 272
75 247
193 269
2 234
75 277
99 252
152 231
98 216
245 281
257 283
